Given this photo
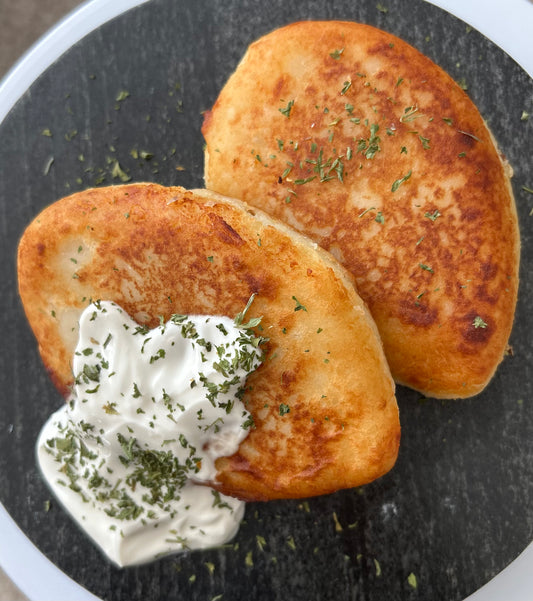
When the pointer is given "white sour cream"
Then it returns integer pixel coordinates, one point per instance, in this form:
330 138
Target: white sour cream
131 454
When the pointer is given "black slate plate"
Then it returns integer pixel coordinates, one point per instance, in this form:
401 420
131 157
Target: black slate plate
456 509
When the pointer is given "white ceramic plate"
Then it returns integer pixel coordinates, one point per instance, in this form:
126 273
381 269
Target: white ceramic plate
509 25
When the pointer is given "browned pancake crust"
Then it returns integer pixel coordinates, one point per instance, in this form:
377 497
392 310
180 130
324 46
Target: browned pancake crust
423 216
157 251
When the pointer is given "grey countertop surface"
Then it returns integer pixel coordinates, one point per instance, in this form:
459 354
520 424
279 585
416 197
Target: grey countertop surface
21 24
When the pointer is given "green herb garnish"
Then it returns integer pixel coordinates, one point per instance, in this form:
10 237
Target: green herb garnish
400 181
299 306
479 323
287 110
433 216
336 54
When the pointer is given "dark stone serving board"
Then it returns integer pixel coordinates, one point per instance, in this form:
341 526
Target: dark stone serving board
456 509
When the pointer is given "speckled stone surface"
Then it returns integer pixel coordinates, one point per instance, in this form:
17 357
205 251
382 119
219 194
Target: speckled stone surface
456 508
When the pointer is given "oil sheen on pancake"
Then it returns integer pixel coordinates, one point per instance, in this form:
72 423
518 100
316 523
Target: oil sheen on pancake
323 400
353 137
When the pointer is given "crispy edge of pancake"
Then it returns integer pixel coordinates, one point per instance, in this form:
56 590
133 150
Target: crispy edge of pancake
424 362
323 443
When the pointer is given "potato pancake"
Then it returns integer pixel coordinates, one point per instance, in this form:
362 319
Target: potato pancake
353 137
322 401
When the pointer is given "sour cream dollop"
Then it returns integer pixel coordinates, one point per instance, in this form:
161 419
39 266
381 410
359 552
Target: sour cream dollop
131 454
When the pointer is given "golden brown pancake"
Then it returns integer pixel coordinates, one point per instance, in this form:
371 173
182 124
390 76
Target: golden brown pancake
353 137
323 400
